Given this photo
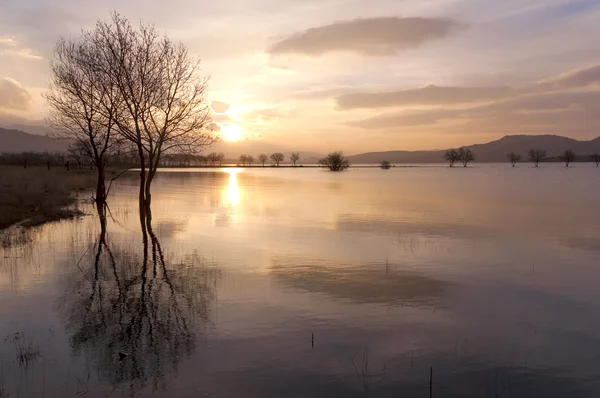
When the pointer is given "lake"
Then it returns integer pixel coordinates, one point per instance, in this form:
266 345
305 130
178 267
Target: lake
299 282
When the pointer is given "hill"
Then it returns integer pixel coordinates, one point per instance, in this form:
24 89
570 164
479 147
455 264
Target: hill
17 141
494 151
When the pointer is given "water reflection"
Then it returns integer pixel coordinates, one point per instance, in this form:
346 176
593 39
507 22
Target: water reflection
371 283
138 315
233 189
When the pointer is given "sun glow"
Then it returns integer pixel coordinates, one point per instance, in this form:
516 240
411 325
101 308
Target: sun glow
231 132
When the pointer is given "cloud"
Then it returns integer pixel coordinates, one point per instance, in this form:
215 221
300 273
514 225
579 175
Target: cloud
220 107
529 110
428 95
13 96
578 78
381 36
9 46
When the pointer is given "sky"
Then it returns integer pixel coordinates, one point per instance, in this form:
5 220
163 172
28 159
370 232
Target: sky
351 75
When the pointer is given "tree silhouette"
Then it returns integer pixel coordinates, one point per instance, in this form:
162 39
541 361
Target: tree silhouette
466 156
277 157
335 161
568 156
295 157
158 89
514 158
385 164
452 156
243 159
596 158
77 110
262 158
536 156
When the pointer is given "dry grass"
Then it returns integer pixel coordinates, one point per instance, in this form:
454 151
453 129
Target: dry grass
36 195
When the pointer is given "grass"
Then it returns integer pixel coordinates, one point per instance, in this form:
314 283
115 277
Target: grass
36 195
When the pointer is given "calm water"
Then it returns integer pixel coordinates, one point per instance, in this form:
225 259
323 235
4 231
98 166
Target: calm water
304 283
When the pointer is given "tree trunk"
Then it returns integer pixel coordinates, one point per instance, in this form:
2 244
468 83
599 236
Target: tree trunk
101 186
142 199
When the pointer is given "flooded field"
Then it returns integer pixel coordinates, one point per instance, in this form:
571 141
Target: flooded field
303 283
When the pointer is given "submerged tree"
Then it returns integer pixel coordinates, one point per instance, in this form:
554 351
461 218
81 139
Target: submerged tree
262 158
514 158
385 164
466 156
160 93
596 158
536 156
335 161
568 156
78 111
452 156
277 157
295 157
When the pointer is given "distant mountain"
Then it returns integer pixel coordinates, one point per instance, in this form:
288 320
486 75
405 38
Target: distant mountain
17 141
494 151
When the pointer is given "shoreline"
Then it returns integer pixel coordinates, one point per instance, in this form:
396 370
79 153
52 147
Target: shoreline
36 195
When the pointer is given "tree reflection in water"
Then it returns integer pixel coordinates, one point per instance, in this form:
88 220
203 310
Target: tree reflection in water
137 317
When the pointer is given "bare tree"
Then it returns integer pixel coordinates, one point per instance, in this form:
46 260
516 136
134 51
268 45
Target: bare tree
213 158
536 156
243 159
249 160
568 156
262 158
385 165
452 156
162 105
277 157
514 158
466 156
77 110
335 161
596 158
221 158
295 157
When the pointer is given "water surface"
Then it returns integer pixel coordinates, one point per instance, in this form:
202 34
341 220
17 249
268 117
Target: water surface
304 283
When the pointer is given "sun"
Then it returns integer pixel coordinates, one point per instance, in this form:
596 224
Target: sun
231 132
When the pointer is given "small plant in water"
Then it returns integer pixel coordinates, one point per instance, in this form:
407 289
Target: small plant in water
26 350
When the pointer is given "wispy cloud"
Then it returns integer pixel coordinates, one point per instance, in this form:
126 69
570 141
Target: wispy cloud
381 36
13 96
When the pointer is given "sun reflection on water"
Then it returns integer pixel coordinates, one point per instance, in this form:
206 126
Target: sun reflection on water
233 190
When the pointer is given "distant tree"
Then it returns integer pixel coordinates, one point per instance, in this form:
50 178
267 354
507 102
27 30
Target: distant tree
249 160
295 157
212 158
568 156
536 156
243 159
385 164
277 157
335 161
262 158
514 158
452 156
466 156
221 158
596 158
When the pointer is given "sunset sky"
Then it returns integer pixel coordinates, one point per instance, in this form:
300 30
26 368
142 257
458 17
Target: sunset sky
354 75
